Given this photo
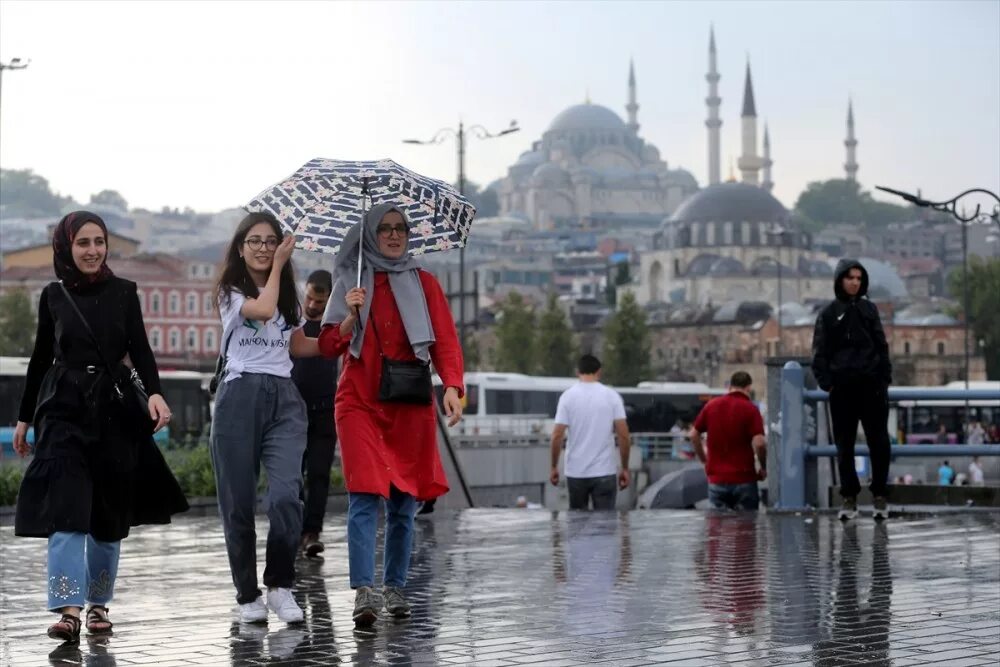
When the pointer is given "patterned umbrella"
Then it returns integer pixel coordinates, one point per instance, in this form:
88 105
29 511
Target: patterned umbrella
321 201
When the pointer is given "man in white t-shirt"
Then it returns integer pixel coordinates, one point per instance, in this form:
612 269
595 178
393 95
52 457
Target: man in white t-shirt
594 415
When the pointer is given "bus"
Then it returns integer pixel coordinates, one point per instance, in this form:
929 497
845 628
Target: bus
513 402
919 420
186 392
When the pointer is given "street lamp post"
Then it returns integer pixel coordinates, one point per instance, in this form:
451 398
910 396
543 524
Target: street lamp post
777 231
479 132
978 216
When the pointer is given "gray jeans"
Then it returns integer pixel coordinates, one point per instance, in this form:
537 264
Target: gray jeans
734 496
259 419
602 491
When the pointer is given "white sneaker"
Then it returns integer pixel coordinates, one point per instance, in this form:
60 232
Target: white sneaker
281 602
253 612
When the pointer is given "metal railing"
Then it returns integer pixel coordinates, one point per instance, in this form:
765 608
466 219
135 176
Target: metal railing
796 452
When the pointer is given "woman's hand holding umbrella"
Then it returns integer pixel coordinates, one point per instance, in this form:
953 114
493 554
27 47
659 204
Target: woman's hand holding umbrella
355 299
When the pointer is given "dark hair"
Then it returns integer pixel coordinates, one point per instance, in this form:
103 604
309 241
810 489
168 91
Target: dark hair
236 277
321 280
740 380
588 365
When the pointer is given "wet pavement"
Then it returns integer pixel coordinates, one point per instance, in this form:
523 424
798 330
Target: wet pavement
519 587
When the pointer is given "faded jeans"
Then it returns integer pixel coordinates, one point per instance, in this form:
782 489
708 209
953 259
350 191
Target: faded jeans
362 528
734 496
602 491
81 570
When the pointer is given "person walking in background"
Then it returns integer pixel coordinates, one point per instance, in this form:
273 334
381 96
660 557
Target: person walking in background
976 434
976 477
941 437
316 379
260 417
398 318
594 415
735 435
96 470
851 362
946 474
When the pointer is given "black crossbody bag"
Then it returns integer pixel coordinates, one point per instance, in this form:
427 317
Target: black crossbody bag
133 395
403 381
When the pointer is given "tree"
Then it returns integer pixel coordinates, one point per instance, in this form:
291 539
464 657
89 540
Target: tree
471 353
626 344
486 201
17 324
555 345
24 194
984 308
515 351
111 198
839 200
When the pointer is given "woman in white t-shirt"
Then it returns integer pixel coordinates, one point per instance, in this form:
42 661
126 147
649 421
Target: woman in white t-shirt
259 415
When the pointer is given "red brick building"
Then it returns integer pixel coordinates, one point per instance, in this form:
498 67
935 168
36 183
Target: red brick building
177 300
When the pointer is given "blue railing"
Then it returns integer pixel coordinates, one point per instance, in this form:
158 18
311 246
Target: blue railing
796 451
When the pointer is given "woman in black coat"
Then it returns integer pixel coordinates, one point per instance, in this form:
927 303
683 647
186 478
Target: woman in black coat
96 470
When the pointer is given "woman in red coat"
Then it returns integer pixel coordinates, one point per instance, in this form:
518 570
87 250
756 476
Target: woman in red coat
389 449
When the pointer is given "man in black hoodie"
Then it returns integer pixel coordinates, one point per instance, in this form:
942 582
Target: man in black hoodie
851 361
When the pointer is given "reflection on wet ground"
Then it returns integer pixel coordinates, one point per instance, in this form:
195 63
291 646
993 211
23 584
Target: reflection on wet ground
515 587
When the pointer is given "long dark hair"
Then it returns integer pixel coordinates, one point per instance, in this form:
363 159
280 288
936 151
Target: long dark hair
235 275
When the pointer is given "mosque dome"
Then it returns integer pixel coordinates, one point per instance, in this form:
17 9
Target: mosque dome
550 174
731 202
586 117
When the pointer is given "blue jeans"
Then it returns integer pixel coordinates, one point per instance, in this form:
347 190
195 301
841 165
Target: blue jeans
734 496
81 570
362 526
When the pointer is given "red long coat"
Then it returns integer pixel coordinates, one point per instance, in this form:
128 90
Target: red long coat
392 443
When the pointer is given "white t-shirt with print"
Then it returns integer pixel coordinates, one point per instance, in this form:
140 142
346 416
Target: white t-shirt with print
255 346
589 410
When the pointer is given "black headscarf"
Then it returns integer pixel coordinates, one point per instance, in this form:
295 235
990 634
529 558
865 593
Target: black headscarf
62 251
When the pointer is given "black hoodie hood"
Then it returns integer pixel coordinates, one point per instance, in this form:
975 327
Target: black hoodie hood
843 266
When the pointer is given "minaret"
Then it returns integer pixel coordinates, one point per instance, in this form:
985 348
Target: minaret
713 122
851 166
767 184
749 163
632 107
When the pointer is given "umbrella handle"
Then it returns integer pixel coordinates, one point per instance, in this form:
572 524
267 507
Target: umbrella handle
364 216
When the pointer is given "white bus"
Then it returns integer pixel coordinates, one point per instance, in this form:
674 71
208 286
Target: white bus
513 402
919 420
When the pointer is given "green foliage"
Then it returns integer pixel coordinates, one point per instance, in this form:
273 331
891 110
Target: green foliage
515 351
193 470
17 324
555 345
626 357
24 194
984 307
110 198
10 482
842 201
471 354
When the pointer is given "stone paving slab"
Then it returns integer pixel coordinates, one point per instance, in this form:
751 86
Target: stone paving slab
531 587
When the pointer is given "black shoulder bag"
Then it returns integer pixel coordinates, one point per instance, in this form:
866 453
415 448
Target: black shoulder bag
220 366
133 396
403 381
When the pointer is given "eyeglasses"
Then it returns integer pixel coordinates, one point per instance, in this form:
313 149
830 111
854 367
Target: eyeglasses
387 230
255 243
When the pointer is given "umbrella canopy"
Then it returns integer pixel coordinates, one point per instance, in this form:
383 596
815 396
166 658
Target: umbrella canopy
680 489
321 201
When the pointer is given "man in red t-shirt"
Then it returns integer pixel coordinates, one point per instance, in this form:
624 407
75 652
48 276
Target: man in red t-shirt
735 433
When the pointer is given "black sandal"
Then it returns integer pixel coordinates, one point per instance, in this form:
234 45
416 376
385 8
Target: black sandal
98 615
67 628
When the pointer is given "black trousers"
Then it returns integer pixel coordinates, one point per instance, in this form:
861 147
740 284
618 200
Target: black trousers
601 491
867 402
321 443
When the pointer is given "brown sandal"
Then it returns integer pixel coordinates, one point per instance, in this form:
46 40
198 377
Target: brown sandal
98 622
67 628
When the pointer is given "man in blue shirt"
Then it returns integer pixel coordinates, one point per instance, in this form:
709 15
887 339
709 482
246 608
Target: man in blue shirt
946 474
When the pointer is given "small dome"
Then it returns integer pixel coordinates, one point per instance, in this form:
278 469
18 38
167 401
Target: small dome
530 158
731 202
549 174
702 265
727 266
587 117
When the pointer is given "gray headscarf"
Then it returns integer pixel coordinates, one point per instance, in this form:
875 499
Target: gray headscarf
404 279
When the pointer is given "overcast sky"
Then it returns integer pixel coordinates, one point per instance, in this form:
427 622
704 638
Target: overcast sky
205 104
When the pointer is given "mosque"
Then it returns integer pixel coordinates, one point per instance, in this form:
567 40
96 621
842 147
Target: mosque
729 241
